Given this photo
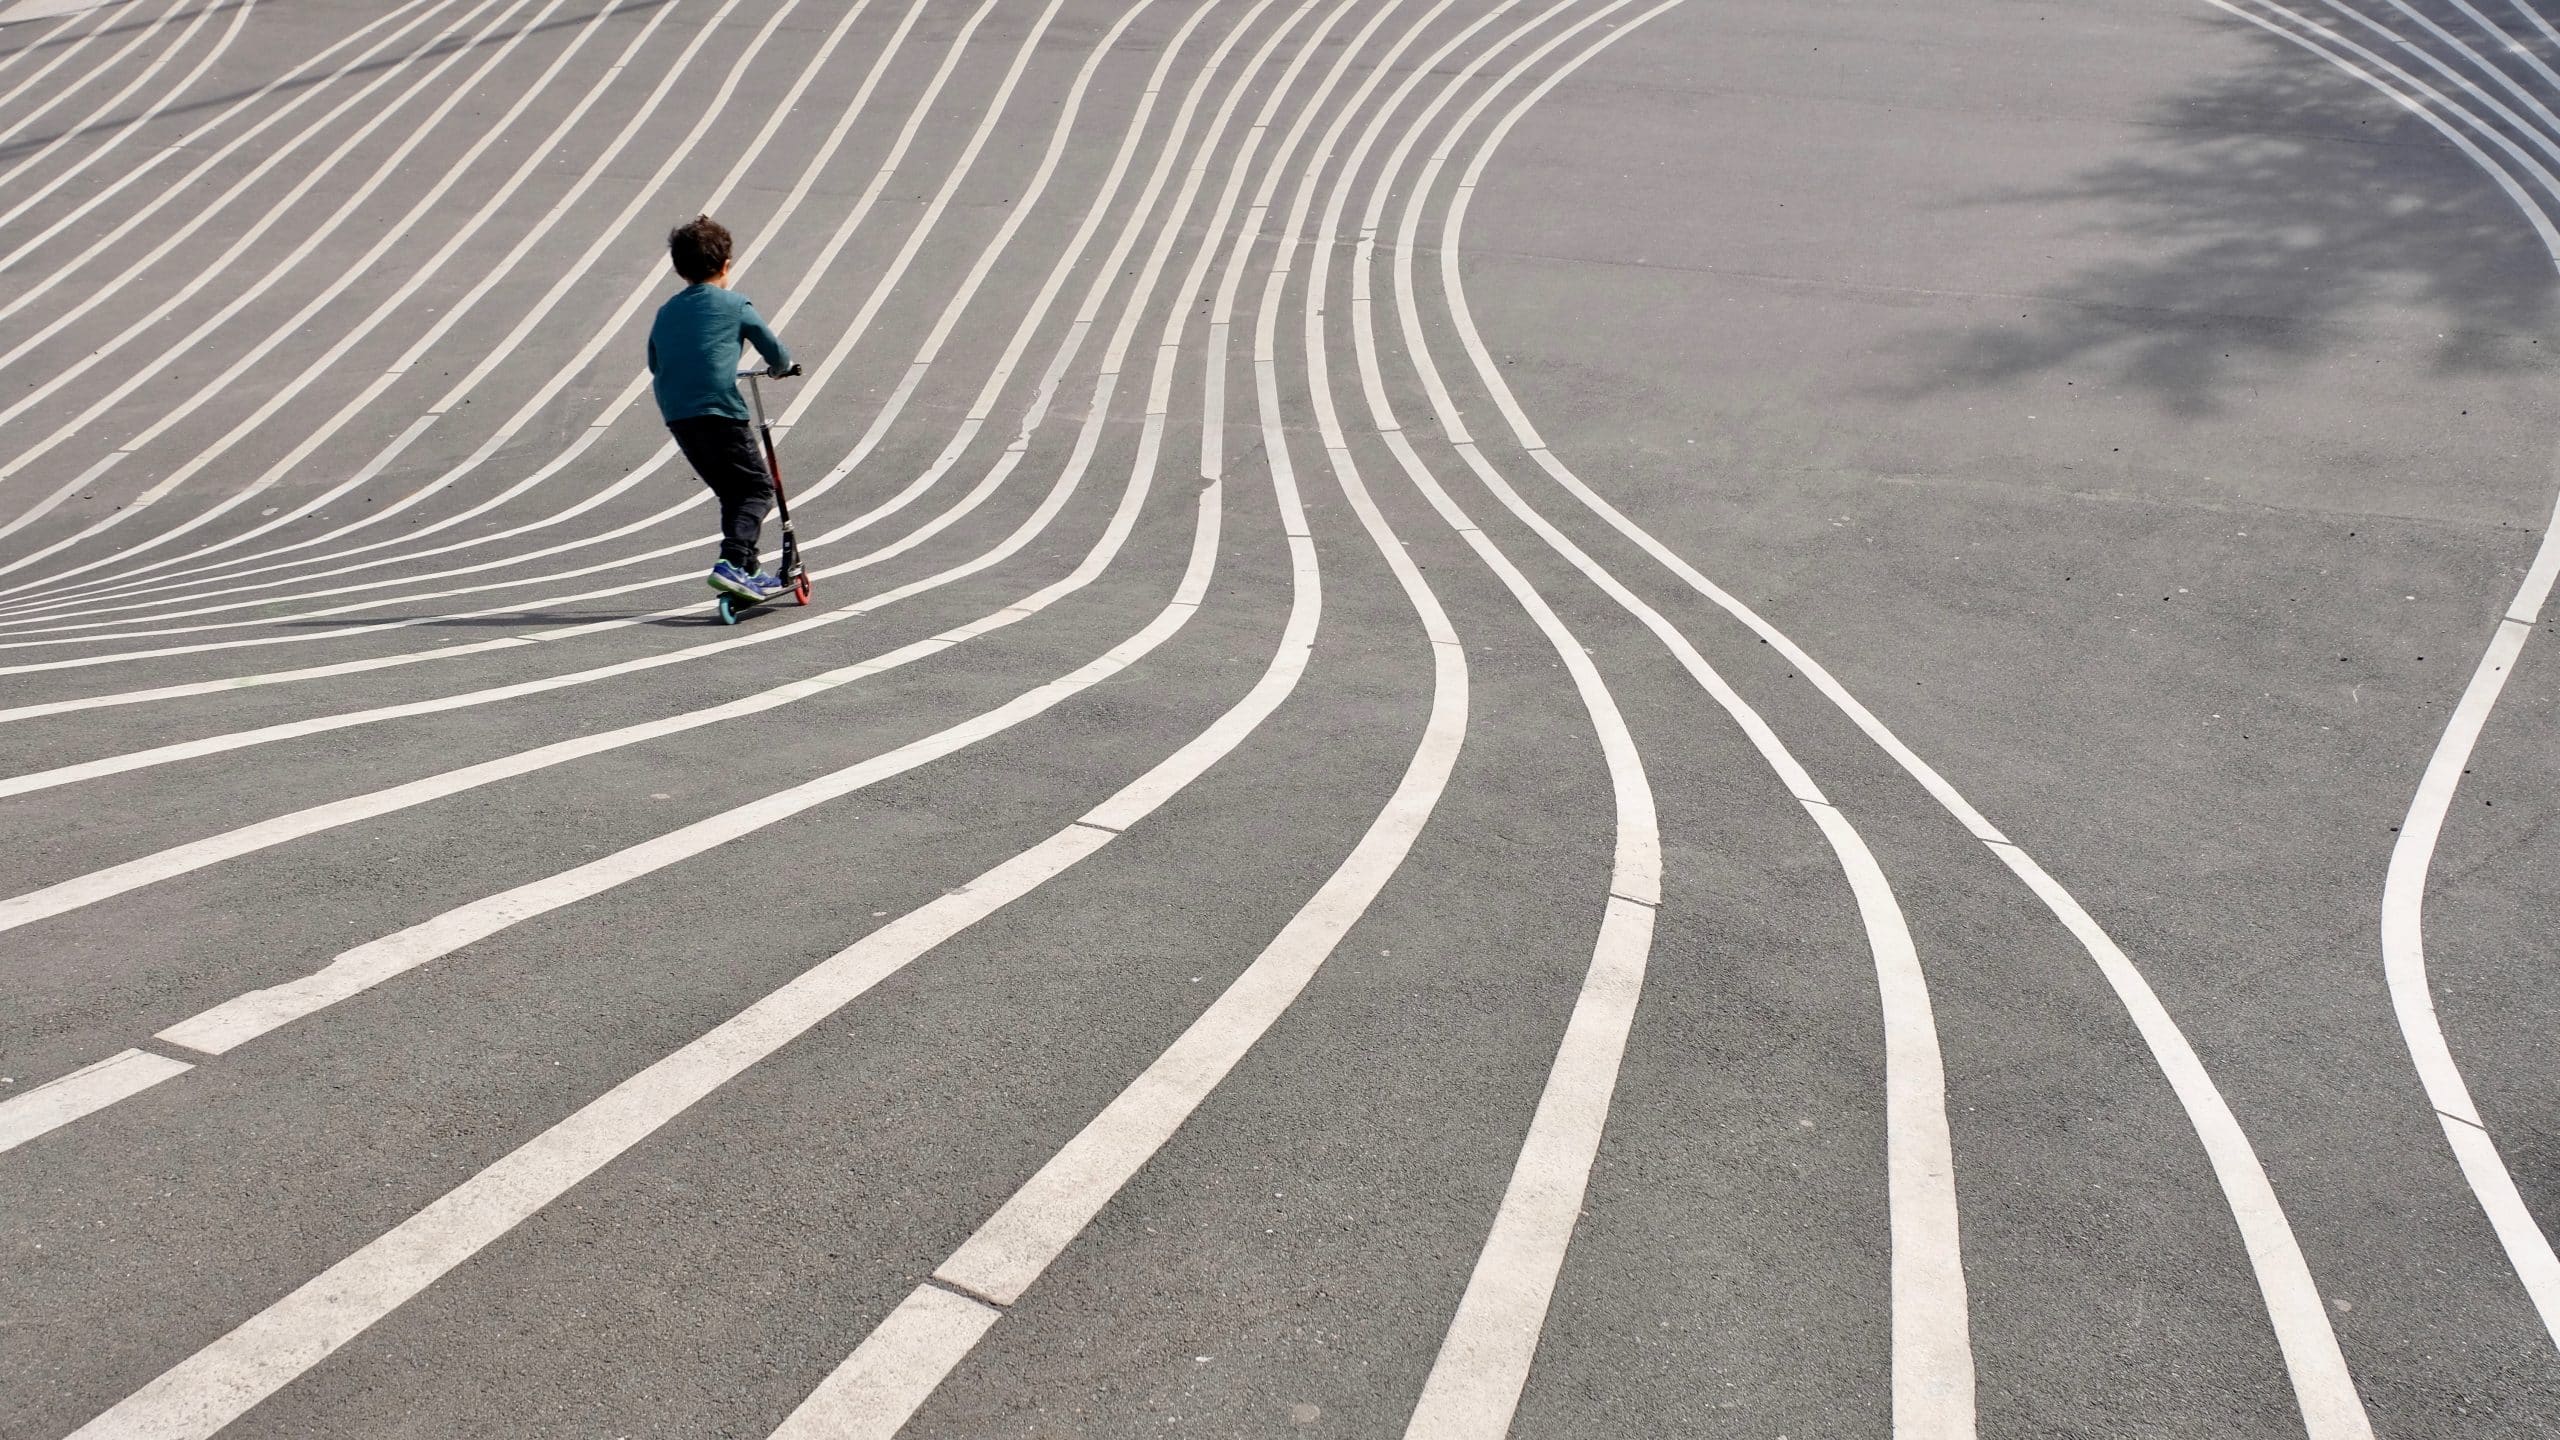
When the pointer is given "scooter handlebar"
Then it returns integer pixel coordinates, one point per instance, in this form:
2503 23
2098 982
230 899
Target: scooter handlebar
764 374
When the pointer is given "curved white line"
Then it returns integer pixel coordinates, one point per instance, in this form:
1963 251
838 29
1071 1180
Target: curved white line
228 1025
2324 1390
1484 1360
185 144
215 1385
35 195
12 60
135 377
326 364
988 395
1032 317
819 377
347 277
2404 960
105 24
2539 23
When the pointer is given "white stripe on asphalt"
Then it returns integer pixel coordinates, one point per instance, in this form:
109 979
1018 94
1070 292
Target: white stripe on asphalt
34 195
1476 1377
239 739
326 365
37 10
907 1357
134 377
2528 1248
1105 549
84 1091
260 1356
824 372
346 278
209 1389
306 92
139 375
105 24
2323 1388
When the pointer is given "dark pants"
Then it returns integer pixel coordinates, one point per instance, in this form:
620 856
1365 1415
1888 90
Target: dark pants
724 452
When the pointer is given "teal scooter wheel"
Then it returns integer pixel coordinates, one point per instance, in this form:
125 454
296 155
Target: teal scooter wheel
728 610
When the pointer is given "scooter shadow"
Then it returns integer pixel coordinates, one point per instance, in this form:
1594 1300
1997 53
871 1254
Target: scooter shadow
521 620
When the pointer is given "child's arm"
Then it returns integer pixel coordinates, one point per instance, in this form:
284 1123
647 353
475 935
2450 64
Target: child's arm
751 328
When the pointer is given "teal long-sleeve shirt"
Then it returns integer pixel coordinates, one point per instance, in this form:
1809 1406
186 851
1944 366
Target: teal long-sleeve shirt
694 346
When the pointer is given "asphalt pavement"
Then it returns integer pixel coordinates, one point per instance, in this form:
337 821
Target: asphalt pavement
1567 718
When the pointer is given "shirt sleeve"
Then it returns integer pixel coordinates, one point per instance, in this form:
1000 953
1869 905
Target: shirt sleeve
752 328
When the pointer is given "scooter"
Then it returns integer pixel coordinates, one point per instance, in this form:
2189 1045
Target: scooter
793 575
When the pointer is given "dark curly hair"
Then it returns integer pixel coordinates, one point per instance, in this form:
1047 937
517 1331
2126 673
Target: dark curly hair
700 247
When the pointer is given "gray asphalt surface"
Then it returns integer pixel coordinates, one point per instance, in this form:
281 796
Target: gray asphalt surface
2142 419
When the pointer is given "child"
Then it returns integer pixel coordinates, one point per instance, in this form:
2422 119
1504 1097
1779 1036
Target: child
693 365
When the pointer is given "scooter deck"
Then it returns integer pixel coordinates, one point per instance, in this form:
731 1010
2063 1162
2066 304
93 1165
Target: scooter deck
735 607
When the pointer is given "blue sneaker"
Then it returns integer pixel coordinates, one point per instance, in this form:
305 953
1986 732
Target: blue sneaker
728 579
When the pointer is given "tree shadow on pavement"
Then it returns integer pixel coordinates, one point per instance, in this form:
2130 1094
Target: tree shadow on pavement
2263 212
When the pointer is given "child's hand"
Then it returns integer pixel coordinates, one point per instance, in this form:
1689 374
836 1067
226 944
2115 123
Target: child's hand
778 372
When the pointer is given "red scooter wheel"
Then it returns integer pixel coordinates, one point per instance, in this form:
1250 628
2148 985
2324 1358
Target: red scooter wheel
800 590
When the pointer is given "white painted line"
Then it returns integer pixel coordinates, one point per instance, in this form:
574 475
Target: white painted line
133 377
456 235
1011 1249
37 44
1105 549
896 1376
34 195
883 285
126 128
307 91
1018 1242
235 1021
1085 572
46 9
205 1392
2539 23
2528 1248
346 278
91 1088
1475 1380
70 88
2324 1391
1932 1349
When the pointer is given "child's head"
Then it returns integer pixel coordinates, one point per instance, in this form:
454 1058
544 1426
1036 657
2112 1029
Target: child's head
701 248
